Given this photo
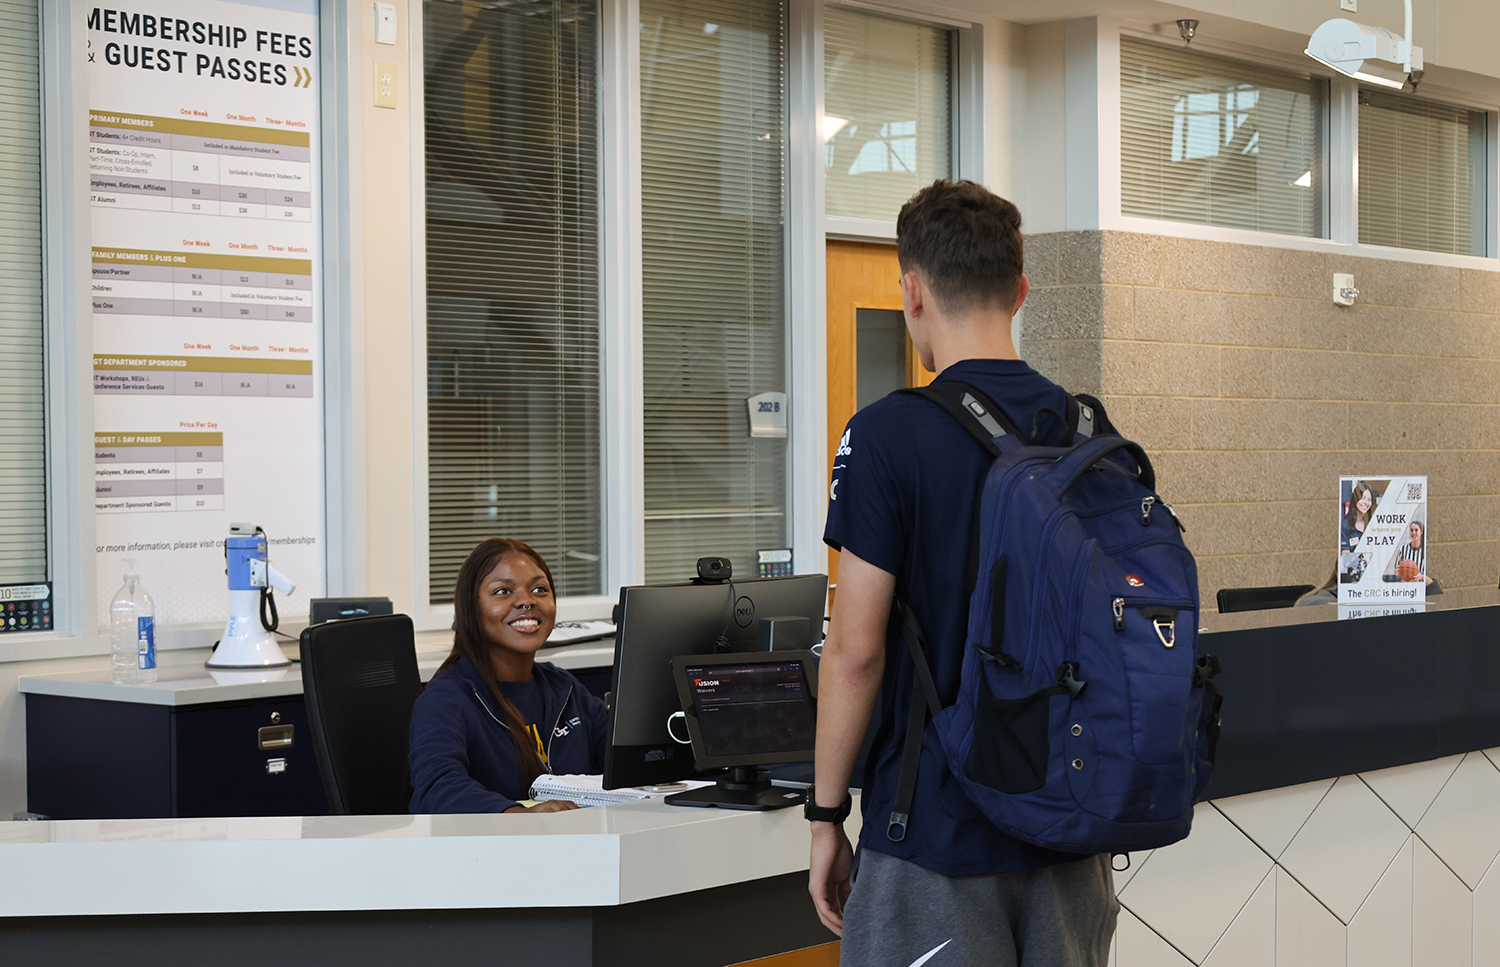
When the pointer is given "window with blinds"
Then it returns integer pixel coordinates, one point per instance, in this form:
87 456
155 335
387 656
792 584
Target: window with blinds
1421 174
713 104
512 284
1220 142
887 121
23 450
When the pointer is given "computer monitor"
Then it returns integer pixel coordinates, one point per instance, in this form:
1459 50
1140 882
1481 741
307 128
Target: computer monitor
743 711
657 623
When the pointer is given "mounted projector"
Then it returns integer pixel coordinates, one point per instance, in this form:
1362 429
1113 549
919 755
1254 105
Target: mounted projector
1370 54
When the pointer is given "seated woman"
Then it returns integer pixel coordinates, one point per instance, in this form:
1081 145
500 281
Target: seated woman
493 718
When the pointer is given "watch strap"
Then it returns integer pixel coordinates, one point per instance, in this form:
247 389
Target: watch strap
826 814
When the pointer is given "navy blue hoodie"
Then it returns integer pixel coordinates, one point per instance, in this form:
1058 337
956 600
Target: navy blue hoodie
462 757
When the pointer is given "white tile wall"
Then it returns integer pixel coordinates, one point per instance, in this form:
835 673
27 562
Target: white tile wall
1344 846
1307 933
1487 919
1380 933
1460 826
1409 790
1190 892
1397 868
1442 927
1251 940
1137 945
1272 818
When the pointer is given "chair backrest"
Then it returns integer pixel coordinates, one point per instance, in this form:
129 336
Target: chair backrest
360 681
1260 599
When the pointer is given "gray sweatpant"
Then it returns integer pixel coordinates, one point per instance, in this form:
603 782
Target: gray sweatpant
904 915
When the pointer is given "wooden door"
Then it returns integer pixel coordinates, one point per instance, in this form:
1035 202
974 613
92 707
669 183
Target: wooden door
861 275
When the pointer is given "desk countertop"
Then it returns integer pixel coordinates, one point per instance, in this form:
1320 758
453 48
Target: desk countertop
190 683
632 851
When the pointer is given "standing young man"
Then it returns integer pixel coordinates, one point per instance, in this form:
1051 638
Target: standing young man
955 890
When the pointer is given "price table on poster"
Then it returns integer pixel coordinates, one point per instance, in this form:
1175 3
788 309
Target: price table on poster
138 472
202 376
199 167
200 285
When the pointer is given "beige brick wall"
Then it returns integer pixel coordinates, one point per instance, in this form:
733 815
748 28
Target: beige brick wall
1253 392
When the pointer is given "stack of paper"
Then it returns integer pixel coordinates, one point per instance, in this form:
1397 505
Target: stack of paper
573 632
590 791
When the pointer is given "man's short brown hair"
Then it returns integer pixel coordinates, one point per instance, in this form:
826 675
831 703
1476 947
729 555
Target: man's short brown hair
965 241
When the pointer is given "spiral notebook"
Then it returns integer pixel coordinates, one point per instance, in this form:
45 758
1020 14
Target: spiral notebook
590 791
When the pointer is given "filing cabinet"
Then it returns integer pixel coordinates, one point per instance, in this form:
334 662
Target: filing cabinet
92 759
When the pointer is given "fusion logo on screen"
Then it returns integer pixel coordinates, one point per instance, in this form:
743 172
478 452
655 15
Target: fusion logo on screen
750 709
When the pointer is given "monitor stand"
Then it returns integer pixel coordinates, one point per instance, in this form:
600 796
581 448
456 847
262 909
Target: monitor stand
743 788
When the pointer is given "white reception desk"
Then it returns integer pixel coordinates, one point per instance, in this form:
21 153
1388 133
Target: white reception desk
603 882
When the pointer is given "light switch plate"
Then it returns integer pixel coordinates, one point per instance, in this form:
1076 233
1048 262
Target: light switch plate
385 23
385 85
1350 5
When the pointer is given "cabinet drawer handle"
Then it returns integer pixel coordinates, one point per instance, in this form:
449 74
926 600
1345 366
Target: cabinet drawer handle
276 736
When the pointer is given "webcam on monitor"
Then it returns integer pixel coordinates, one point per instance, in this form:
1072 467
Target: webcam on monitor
714 570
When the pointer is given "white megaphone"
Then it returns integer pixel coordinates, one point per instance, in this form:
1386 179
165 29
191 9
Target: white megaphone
248 641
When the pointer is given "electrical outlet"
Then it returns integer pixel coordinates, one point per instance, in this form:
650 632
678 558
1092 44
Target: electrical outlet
385 85
1350 5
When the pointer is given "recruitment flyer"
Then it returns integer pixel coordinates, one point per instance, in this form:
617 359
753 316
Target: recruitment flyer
203 158
1382 541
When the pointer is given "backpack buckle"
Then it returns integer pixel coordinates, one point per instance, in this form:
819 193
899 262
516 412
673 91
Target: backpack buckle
896 831
1067 677
1170 624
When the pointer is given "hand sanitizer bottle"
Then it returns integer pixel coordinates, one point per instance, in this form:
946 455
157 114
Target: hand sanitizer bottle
132 631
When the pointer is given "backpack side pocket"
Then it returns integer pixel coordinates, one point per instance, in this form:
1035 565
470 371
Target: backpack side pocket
1011 747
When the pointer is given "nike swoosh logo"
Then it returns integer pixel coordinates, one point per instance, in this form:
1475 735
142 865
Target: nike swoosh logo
930 954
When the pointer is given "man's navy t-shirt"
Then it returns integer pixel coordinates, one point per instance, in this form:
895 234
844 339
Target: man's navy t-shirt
905 479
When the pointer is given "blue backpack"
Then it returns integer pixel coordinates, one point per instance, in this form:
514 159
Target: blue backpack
1086 717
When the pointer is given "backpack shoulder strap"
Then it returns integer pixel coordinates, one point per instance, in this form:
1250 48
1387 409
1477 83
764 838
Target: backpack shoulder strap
977 413
973 410
924 700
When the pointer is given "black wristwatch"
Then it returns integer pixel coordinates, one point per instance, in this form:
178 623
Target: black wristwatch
814 813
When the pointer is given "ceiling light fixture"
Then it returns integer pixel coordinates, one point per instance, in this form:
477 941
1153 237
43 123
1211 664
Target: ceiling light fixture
832 125
1186 29
1370 54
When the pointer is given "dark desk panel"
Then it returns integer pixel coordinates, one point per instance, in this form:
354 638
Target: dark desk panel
1322 698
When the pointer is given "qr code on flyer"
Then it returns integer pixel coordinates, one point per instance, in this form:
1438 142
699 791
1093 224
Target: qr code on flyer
1414 491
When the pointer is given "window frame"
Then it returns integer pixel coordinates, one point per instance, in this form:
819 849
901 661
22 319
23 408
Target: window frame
1341 155
967 121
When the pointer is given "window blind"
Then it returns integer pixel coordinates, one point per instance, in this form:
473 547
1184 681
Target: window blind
1421 174
23 470
887 109
512 285
1220 142
713 104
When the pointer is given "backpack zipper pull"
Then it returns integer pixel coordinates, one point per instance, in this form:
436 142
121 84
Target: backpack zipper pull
1146 511
1175 519
1118 605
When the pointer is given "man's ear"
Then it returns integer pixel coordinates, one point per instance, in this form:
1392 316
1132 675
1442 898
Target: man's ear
1023 288
915 292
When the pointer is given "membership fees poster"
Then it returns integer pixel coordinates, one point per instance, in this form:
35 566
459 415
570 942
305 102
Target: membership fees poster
1383 541
203 156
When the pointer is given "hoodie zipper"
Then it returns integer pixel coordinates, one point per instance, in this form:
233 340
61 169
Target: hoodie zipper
561 712
548 764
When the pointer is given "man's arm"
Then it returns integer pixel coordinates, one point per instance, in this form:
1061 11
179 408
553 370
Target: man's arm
849 677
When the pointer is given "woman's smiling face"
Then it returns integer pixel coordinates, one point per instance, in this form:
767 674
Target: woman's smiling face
1366 501
1415 530
517 610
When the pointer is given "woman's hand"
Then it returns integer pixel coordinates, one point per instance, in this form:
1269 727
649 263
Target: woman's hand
550 806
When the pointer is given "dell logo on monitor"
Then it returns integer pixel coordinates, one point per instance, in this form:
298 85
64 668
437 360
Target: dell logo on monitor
744 612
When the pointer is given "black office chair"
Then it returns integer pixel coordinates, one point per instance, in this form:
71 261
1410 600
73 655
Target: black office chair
1260 599
360 680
